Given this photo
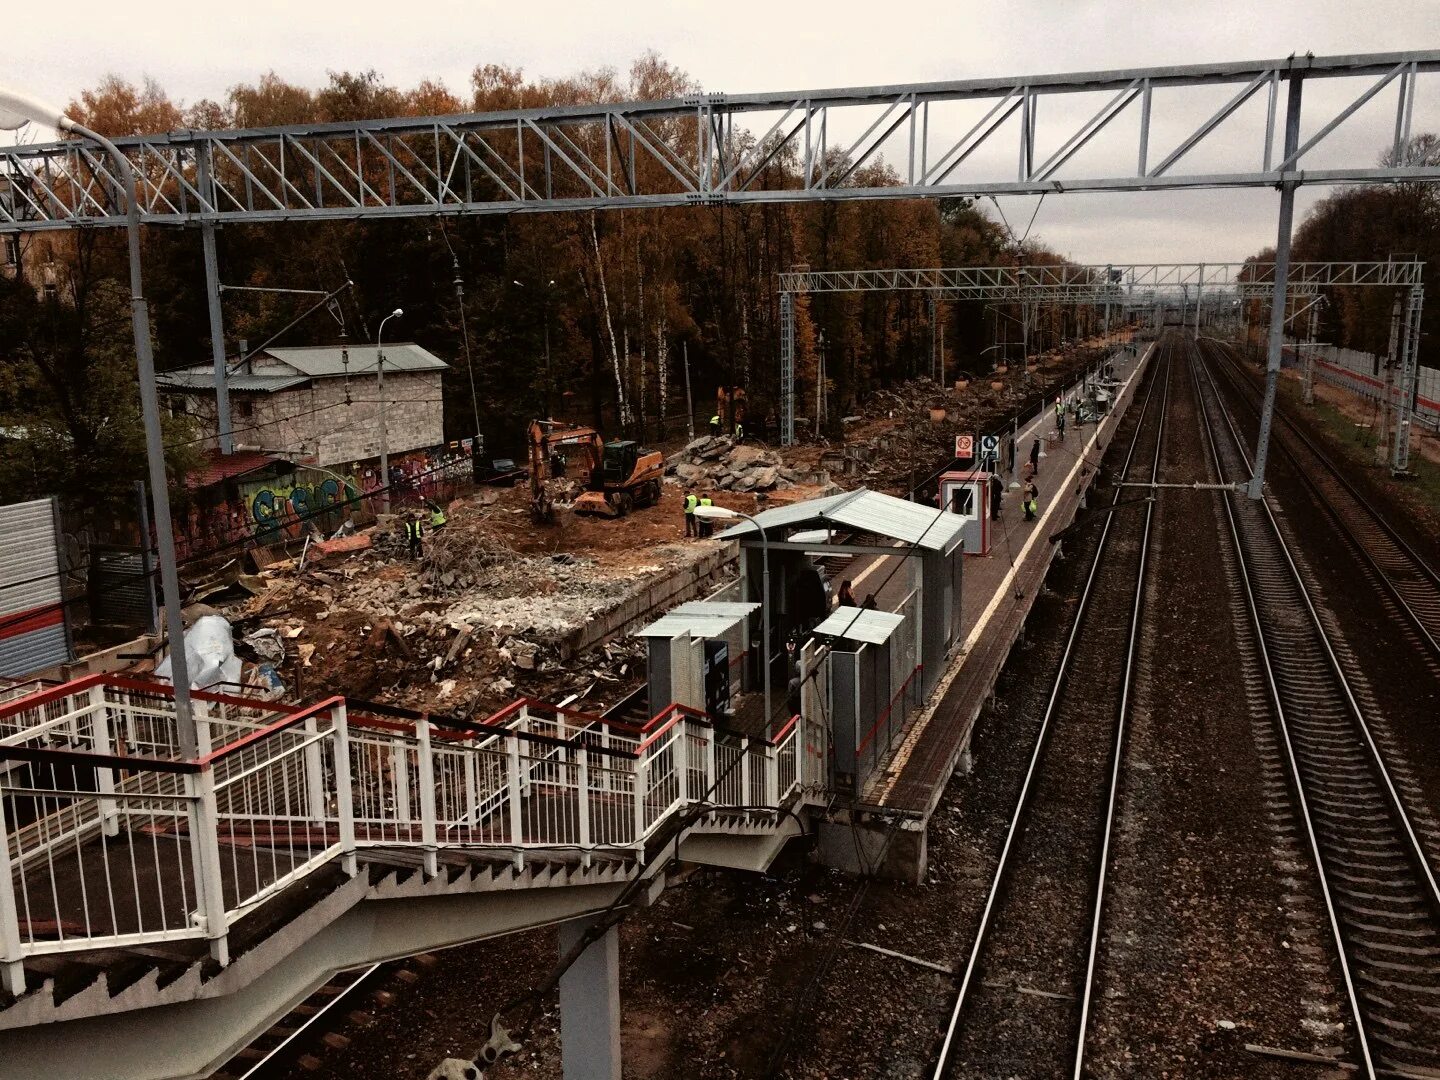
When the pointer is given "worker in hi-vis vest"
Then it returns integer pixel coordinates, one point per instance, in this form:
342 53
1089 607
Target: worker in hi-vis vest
691 501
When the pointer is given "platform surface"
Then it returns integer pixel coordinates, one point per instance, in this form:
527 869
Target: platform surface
997 592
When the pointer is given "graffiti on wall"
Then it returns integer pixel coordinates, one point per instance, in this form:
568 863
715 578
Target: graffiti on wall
287 504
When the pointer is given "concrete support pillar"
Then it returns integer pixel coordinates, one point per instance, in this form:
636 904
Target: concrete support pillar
590 1005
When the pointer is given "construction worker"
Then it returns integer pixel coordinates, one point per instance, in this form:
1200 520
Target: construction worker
706 528
413 527
739 431
437 516
715 424
997 492
691 501
1031 495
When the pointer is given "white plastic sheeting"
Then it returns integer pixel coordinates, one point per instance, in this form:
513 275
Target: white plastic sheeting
209 654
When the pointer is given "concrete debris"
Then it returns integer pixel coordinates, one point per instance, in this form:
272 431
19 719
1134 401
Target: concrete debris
715 461
267 644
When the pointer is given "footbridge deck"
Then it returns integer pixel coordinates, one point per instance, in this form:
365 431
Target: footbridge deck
132 877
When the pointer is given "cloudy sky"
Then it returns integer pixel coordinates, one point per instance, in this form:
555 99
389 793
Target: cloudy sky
739 46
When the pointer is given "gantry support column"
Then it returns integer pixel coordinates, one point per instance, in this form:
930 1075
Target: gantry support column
590 1005
1408 371
1282 275
217 319
787 369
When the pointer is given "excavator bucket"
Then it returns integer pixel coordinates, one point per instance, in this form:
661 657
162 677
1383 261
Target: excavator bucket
594 502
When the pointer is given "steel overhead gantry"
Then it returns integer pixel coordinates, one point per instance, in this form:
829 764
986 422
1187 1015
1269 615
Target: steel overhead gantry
1126 284
939 138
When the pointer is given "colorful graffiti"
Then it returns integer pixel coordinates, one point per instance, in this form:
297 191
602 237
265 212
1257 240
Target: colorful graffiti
273 509
288 506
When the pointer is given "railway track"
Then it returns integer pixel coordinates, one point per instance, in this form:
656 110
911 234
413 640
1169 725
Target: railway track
1025 994
1413 584
314 1025
1379 888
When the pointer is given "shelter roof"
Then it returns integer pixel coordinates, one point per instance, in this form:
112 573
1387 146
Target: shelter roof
860 624
863 511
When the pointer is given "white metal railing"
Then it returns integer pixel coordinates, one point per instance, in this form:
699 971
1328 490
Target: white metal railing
111 839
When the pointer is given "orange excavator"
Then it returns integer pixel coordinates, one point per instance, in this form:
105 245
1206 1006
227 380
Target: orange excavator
621 476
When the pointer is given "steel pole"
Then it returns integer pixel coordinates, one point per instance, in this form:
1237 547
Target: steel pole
1277 303
217 318
764 611
154 448
465 338
384 435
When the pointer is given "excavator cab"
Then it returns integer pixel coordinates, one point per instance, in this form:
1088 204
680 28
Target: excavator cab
617 465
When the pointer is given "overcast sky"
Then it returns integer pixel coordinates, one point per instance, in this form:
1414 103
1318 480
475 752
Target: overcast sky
739 46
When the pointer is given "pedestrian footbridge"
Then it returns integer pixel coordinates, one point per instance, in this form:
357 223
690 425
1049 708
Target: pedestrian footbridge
158 910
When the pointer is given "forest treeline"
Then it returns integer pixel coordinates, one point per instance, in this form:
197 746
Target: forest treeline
1369 223
622 298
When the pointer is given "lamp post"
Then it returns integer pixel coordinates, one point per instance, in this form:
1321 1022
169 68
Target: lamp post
380 391
15 111
549 379
722 513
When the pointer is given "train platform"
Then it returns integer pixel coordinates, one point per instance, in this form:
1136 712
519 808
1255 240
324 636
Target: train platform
999 590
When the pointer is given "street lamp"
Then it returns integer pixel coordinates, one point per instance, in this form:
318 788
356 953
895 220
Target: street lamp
549 379
15 111
722 513
380 389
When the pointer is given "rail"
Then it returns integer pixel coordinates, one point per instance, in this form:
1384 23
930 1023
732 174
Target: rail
1328 741
109 838
950 1045
1413 584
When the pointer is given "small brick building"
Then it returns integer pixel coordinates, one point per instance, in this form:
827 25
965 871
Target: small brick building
291 402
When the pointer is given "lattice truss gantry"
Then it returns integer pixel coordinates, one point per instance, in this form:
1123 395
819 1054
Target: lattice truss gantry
1122 286
1148 128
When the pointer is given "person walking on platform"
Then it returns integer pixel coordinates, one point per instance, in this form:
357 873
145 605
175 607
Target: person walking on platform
997 492
847 595
1060 415
691 501
1031 495
1035 457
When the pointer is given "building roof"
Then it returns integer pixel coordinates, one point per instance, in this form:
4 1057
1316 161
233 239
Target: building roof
286 368
864 511
203 380
218 466
321 361
860 624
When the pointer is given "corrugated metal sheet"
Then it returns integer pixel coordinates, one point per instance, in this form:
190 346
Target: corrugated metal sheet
710 625
30 590
861 624
119 590
733 609
325 360
203 379
24 653
865 511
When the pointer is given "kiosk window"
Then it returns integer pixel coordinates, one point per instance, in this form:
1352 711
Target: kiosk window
962 501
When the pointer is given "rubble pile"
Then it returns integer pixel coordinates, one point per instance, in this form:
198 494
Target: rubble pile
718 462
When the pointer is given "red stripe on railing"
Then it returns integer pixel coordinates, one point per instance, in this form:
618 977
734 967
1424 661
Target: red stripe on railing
789 725
279 725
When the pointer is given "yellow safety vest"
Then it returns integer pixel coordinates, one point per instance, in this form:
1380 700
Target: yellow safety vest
690 503
707 502
437 518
